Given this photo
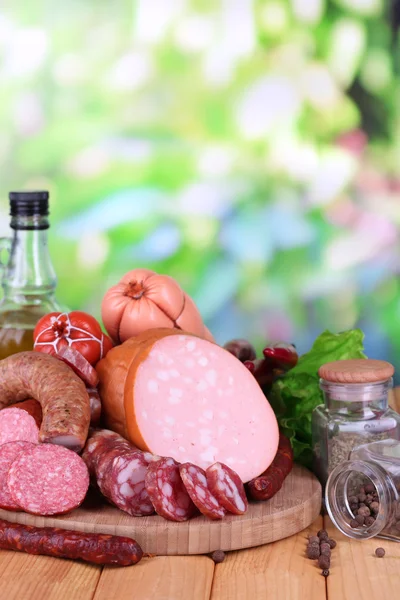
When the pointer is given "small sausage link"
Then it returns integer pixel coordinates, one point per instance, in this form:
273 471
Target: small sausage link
270 482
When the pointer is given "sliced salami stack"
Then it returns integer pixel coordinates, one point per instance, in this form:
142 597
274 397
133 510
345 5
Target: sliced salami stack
167 491
41 479
195 482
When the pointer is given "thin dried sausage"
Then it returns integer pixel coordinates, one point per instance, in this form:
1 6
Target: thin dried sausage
62 395
270 482
99 549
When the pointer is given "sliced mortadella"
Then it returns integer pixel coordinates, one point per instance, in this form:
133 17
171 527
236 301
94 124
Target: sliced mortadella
189 399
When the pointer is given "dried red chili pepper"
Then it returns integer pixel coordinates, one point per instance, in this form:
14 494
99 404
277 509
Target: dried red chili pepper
282 356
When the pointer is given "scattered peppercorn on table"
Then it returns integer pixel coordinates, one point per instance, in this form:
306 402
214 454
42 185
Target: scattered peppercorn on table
276 571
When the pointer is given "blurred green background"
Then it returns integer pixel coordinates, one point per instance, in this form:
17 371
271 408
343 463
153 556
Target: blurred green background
248 148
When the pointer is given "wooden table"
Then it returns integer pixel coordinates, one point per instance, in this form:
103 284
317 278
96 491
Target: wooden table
278 571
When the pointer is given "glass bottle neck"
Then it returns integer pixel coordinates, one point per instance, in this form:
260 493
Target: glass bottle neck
344 482
29 274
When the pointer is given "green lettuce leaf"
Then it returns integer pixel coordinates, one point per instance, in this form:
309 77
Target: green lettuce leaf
295 395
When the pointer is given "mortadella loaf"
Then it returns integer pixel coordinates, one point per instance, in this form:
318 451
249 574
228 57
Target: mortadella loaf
174 394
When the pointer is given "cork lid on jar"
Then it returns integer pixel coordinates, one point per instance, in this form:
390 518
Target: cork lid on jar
360 370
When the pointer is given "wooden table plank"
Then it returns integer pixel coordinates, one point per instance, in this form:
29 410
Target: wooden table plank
159 578
274 571
357 573
28 577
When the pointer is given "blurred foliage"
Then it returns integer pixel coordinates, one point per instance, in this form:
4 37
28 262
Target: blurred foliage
249 148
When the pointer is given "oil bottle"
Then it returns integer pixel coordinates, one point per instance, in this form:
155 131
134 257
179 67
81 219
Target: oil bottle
28 277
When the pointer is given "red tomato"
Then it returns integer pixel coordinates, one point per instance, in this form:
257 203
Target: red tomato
77 329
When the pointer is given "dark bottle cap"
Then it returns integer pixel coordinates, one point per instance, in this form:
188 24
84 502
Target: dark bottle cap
29 204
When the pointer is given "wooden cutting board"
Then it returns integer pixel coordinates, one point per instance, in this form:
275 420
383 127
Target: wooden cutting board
293 509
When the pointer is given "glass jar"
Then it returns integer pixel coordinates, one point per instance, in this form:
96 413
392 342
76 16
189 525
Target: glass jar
355 411
368 482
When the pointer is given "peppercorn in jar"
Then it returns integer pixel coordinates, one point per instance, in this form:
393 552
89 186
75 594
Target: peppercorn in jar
355 411
362 494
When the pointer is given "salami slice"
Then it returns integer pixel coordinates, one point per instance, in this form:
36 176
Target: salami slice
119 469
48 480
79 364
227 487
17 424
167 492
95 406
95 446
195 482
33 408
124 483
8 453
